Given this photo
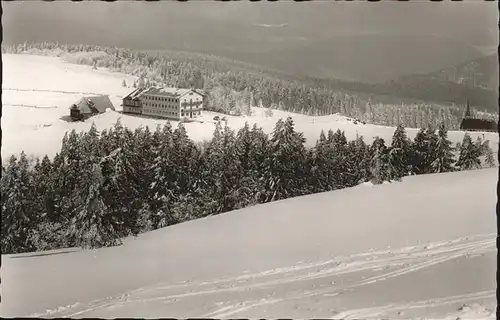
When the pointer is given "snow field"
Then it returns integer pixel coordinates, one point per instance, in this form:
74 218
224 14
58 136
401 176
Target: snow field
422 248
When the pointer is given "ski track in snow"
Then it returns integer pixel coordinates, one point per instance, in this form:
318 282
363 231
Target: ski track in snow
387 263
378 312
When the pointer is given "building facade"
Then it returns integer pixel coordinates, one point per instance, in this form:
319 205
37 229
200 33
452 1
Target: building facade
169 103
132 102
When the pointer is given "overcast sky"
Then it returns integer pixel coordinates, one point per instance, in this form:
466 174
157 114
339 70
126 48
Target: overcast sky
474 21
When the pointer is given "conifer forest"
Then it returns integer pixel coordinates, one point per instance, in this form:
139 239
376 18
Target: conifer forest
106 185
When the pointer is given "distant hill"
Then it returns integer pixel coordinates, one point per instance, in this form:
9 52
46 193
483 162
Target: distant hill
346 42
476 79
482 73
364 58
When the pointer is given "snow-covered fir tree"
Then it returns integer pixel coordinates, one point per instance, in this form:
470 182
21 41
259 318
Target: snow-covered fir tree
68 168
94 226
444 156
363 159
320 178
342 158
223 166
186 159
424 146
285 167
469 154
163 185
246 148
380 167
19 210
489 157
45 189
401 152
123 186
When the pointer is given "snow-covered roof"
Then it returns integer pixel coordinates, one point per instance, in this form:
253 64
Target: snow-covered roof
200 92
99 103
137 93
169 92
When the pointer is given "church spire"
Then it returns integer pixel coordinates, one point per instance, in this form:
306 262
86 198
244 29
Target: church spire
467 108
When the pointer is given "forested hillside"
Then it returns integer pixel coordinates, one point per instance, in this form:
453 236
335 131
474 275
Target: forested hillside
369 58
441 91
234 86
105 185
475 79
482 72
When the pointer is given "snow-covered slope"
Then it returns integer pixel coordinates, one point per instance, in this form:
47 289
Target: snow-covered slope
422 247
37 92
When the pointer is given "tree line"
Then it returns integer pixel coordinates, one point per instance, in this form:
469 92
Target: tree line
235 87
103 186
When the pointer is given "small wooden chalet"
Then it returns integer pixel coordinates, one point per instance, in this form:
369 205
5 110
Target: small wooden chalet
470 123
87 107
